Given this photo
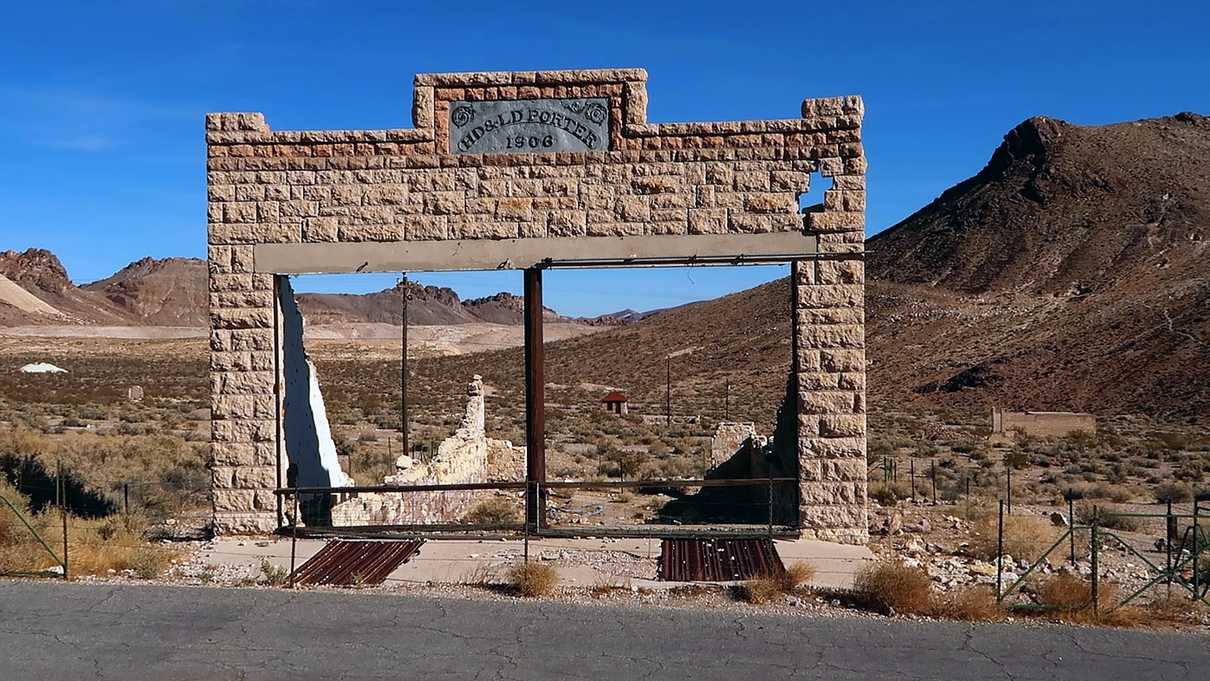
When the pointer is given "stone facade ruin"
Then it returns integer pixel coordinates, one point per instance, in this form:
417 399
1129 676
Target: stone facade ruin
467 456
282 202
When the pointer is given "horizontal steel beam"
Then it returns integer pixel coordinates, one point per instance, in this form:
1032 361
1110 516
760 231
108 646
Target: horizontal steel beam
517 254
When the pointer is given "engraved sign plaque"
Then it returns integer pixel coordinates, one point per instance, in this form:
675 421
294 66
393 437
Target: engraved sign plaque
529 126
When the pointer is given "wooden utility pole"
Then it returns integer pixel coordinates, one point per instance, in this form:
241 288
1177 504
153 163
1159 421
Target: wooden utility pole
535 401
403 373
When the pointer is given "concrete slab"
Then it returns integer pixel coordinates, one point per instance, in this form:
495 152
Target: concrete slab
580 562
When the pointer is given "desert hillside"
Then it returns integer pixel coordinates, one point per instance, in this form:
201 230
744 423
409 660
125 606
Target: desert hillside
1070 273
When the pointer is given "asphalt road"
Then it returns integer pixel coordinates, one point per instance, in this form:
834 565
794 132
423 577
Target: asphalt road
51 631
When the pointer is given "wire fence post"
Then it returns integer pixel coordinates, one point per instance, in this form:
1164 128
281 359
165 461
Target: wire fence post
1169 532
1009 488
933 474
1000 551
1197 551
912 473
294 535
1096 549
126 498
62 494
1071 523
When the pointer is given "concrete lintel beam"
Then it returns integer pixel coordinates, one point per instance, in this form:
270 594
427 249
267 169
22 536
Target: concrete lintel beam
517 254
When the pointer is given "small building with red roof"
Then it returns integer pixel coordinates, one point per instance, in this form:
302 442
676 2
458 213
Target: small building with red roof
615 402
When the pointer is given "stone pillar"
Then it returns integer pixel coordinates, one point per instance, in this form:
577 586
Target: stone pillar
829 359
243 357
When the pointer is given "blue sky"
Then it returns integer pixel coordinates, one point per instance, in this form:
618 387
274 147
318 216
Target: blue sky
101 140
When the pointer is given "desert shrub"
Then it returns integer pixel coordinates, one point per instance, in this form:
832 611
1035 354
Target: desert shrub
1174 492
1069 599
888 493
971 604
1088 513
891 586
1024 536
494 511
769 587
1017 459
533 580
273 575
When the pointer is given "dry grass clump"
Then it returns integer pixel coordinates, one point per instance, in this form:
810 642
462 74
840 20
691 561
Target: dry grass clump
1175 609
97 546
767 588
972 604
494 511
533 580
890 586
1069 598
1024 536
605 588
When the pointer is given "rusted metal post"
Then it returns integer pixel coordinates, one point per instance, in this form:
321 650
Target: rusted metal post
727 402
999 550
294 535
912 473
403 372
1197 551
126 498
535 399
62 493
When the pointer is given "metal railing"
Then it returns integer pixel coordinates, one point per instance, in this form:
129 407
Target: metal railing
1181 558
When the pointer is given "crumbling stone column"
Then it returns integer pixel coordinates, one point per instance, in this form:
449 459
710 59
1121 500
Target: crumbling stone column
829 351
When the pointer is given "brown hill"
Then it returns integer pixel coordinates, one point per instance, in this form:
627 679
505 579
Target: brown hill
1070 273
427 305
168 292
39 273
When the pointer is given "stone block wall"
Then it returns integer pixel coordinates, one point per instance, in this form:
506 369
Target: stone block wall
735 177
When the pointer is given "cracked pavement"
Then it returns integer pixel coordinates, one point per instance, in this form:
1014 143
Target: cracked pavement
51 631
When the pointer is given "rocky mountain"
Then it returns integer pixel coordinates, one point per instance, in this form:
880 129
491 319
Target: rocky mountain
168 292
38 273
1070 273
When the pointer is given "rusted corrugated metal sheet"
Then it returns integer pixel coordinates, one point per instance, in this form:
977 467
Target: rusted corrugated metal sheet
343 562
717 560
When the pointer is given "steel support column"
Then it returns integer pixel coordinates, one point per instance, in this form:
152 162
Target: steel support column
535 401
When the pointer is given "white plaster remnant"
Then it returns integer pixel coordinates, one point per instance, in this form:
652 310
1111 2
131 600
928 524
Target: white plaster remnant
467 456
309 444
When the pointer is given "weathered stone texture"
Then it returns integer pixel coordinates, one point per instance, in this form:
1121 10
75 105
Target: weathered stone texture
267 186
466 457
